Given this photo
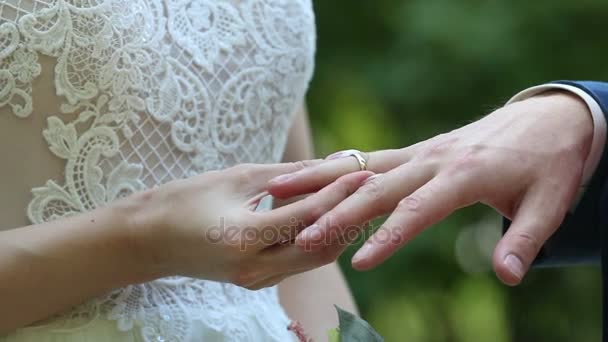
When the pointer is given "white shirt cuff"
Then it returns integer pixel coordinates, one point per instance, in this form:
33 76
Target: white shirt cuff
599 123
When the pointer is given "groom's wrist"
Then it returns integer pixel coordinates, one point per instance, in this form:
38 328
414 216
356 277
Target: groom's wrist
577 118
593 111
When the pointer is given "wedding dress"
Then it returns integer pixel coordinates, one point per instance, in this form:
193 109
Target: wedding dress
103 98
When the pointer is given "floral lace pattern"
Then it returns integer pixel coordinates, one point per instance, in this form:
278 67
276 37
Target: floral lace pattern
161 89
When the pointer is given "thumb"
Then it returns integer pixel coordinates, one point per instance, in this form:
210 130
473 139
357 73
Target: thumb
539 215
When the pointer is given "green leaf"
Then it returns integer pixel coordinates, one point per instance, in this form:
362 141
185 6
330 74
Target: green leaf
355 329
333 335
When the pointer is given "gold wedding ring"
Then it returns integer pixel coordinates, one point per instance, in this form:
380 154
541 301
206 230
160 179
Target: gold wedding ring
360 159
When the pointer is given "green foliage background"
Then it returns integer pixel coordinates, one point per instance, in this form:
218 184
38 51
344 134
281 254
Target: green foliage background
394 72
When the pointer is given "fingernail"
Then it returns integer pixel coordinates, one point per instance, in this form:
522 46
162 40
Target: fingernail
312 233
363 253
282 178
309 236
514 265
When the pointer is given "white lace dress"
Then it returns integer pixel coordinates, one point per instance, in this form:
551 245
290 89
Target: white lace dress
102 98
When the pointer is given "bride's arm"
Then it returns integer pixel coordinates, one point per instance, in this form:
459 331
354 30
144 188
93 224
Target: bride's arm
52 266
310 297
168 230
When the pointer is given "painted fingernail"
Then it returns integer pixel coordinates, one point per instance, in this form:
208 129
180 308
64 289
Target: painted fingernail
514 265
282 178
363 253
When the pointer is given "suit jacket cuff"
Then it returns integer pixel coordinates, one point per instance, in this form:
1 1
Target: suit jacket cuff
599 122
579 238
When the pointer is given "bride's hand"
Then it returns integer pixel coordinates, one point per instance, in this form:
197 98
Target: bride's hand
207 227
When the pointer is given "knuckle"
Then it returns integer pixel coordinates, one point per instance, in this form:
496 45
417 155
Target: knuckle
437 146
317 211
437 149
372 189
346 186
308 163
528 241
410 204
466 162
413 208
336 218
398 236
300 165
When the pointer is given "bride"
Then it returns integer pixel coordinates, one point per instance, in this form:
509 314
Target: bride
128 132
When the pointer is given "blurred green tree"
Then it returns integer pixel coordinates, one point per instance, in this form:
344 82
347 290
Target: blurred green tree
391 73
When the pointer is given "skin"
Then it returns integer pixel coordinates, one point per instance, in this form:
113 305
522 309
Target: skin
165 231
310 297
525 160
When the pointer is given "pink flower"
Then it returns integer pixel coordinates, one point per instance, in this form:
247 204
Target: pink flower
298 330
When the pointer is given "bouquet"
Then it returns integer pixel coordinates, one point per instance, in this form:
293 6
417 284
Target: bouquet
351 329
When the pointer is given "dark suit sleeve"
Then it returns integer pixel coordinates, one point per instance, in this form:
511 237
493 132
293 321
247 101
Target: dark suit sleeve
578 239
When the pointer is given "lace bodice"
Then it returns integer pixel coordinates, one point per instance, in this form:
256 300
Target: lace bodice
135 93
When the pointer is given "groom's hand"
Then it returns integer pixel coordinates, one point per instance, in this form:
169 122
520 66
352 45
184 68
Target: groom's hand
525 160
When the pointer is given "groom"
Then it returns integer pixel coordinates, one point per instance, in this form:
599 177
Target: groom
540 161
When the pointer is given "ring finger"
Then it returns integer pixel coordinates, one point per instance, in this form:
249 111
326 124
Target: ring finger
377 197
